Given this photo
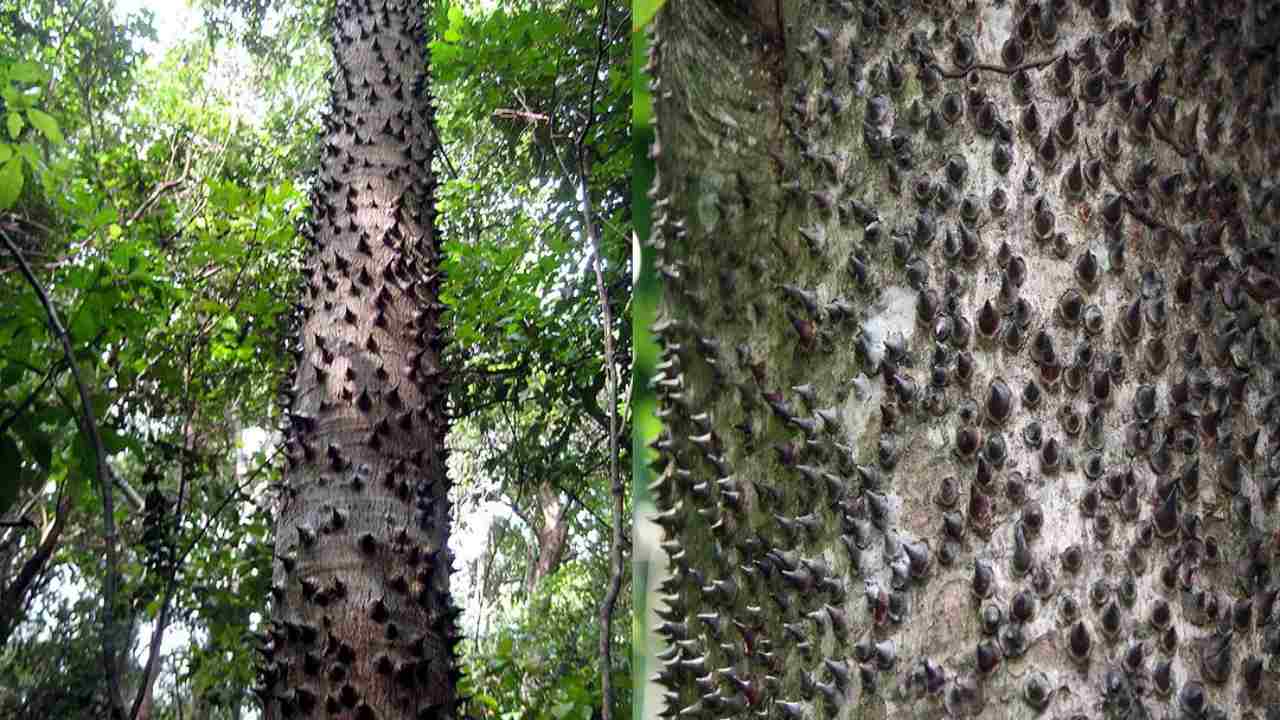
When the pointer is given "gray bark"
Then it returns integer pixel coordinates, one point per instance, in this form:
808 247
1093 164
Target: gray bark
969 409
363 625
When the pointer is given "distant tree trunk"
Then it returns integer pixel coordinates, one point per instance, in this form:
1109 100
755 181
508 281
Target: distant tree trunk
552 535
17 593
363 625
970 367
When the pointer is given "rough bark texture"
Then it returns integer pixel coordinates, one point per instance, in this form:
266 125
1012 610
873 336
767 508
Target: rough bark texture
363 626
551 535
970 368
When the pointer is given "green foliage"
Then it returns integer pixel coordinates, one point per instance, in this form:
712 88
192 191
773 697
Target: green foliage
55 672
522 110
541 662
165 235
647 291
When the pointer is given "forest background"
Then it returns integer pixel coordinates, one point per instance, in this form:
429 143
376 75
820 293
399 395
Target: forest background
154 188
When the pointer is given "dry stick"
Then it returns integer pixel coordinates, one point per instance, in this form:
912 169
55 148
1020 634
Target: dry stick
90 427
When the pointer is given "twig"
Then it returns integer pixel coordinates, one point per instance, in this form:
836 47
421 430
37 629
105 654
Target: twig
90 427
31 397
171 586
1031 65
162 620
508 114
435 134
225 502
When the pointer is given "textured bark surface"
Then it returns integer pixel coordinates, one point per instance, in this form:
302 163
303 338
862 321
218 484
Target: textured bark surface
552 536
970 369
362 625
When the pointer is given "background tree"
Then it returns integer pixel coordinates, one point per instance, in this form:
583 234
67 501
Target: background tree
968 373
362 615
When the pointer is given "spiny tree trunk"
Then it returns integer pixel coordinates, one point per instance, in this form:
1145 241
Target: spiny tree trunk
970 379
363 626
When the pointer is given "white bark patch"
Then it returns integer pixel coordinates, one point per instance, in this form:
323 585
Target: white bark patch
894 312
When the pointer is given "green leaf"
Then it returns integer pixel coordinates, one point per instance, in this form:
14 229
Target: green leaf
10 183
642 12
16 124
26 71
6 151
32 155
453 33
12 375
84 325
38 443
562 710
45 123
10 457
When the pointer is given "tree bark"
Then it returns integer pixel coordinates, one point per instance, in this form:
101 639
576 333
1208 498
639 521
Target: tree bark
551 536
970 375
16 594
363 625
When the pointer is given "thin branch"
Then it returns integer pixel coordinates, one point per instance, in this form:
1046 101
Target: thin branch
225 502
617 488
582 503
90 426
591 94
171 585
162 621
1031 65
527 116
53 372
435 134
11 602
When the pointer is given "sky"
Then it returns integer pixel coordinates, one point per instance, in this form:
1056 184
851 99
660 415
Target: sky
173 19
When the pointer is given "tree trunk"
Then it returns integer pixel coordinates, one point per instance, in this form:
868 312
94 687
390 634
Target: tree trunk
363 625
970 379
551 536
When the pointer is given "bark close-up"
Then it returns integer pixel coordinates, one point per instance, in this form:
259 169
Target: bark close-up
970 367
363 626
